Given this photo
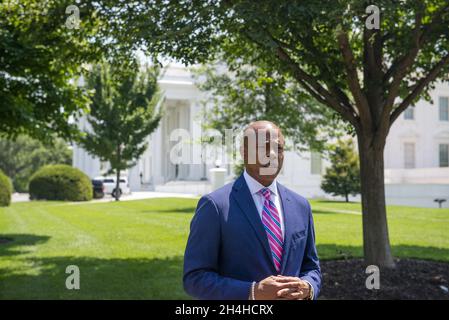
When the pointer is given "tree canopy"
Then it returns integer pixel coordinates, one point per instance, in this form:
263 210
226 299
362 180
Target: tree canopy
238 97
369 74
22 157
324 45
124 111
42 54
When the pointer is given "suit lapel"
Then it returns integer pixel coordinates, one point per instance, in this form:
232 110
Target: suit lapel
244 199
288 213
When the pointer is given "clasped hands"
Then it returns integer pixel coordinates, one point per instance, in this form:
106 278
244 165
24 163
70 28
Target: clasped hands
281 288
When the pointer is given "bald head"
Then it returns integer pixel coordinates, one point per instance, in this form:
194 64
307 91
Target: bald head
263 125
263 150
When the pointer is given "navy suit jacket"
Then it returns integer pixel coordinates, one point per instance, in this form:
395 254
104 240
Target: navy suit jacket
228 249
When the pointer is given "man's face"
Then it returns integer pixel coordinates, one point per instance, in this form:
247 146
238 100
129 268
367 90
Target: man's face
264 152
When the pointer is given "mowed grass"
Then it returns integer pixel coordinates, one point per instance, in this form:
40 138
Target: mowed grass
134 249
414 232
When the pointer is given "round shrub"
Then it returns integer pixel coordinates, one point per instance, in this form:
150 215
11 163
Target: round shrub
5 190
60 182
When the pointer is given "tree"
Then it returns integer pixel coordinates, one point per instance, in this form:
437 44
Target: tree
41 57
247 94
369 74
343 176
123 113
22 157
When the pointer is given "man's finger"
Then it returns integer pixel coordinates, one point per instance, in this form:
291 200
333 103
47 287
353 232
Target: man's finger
286 279
293 294
294 284
285 291
296 295
302 283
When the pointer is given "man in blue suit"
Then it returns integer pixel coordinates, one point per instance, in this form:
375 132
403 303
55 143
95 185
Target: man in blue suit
253 238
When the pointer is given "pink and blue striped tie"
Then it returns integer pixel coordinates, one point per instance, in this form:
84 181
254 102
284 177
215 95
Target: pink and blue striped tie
272 225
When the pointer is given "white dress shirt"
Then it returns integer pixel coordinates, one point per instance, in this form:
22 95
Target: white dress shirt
254 187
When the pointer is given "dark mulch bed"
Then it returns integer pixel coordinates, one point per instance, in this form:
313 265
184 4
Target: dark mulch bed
411 279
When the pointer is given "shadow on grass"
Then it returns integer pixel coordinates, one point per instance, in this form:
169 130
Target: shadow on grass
333 252
172 210
99 279
16 242
24 277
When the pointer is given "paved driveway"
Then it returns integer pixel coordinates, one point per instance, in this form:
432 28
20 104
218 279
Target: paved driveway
138 195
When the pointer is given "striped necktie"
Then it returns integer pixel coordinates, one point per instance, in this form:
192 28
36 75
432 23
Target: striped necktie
272 225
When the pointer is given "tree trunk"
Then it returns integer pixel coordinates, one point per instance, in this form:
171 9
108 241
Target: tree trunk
376 244
117 186
117 182
347 198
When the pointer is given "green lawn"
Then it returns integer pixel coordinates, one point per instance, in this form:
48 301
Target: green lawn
134 249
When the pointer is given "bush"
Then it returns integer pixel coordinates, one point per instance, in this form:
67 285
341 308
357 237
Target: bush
5 190
60 182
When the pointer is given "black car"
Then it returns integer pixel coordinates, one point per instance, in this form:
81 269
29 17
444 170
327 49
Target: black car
98 189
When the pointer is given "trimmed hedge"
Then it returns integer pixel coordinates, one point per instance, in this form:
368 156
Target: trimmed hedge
5 190
60 182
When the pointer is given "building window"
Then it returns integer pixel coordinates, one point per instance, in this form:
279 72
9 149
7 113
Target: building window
444 108
315 162
409 155
409 113
444 155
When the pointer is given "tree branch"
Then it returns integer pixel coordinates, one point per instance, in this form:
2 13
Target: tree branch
327 98
312 85
403 65
418 87
399 70
425 32
353 78
373 76
327 78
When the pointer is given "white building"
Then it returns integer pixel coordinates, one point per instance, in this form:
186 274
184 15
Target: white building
416 154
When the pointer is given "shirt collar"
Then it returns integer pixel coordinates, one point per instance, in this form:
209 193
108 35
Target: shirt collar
255 186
